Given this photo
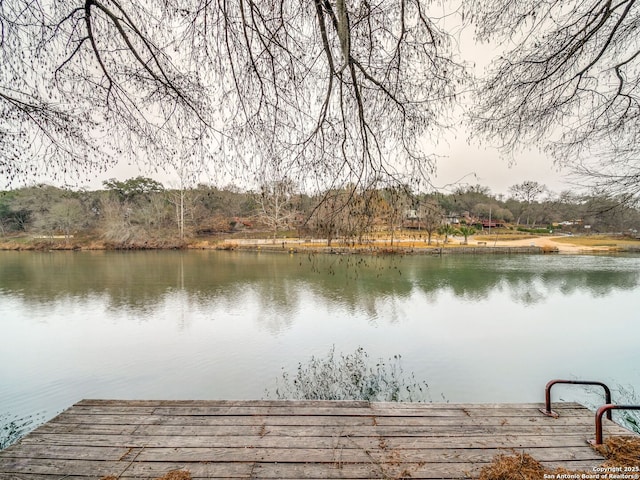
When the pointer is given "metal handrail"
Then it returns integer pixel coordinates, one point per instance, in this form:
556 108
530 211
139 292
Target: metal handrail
547 394
607 408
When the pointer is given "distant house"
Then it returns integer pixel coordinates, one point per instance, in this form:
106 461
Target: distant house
238 224
568 223
484 223
411 220
412 224
452 219
411 214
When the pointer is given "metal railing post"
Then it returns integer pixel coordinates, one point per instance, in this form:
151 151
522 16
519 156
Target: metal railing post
607 408
547 394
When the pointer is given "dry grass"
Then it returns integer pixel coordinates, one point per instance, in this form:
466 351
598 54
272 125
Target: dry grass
620 452
597 241
507 467
506 236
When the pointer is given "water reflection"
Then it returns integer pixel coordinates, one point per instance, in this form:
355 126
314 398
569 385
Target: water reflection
141 281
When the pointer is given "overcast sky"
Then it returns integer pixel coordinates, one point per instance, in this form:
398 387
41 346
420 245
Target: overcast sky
484 166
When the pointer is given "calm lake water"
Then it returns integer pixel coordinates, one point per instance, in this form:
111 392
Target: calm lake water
224 325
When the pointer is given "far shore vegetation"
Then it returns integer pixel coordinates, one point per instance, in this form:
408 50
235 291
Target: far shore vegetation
140 213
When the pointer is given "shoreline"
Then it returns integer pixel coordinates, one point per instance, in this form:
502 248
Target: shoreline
533 245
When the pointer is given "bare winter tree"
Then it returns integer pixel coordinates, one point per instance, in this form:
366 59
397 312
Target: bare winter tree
275 204
571 84
431 216
86 82
527 192
328 89
334 89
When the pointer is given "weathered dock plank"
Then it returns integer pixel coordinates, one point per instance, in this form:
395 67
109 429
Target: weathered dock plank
309 421
193 441
296 439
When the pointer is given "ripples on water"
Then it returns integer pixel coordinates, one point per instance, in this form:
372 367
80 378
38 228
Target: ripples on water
13 428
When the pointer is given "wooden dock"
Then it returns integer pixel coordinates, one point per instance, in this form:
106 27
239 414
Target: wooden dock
296 439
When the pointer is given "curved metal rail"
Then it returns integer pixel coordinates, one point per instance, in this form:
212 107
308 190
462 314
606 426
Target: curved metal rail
547 394
607 409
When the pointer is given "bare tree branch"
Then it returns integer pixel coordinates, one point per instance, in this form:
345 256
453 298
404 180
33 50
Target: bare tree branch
332 91
571 84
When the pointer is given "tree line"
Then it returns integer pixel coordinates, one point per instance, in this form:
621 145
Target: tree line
141 211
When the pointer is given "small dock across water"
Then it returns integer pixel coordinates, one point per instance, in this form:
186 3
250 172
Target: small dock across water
297 439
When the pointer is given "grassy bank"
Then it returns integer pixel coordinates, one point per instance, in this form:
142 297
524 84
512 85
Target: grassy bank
379 244
599 241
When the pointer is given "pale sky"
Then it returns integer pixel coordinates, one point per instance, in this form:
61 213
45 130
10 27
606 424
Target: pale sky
469 164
